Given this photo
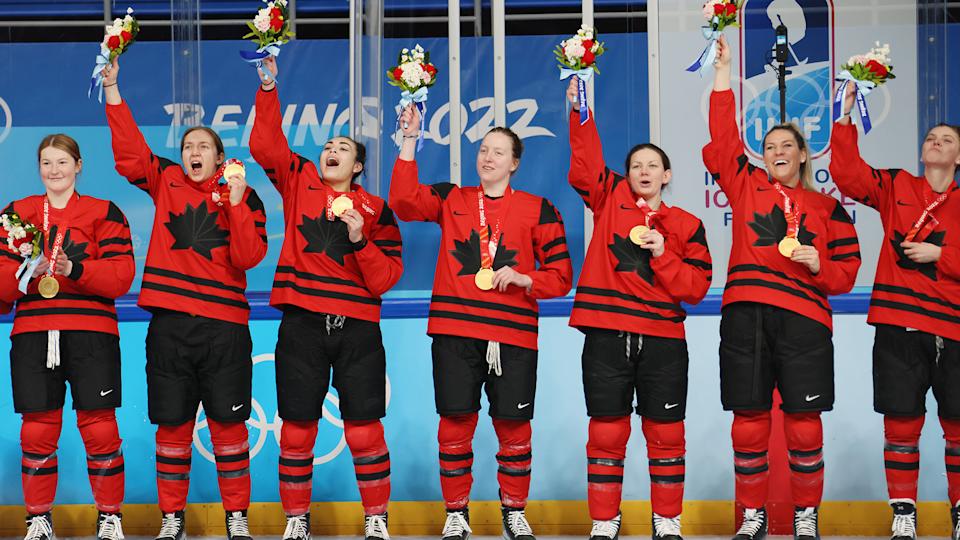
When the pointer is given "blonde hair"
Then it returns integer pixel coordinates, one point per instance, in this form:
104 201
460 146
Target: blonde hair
806 171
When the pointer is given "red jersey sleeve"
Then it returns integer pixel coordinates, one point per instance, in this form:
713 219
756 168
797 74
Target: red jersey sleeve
133 157
554 276
9 263
248 231
269 146
686 276
589 175
111 273
852 175
411 200
949 262
839 265
724 155
380 257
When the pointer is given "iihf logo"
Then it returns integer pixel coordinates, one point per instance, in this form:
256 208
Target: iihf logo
809 62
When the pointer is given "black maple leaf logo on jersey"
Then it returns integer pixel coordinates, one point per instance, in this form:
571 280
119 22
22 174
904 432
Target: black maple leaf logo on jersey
74 251
772 227
325 236
927 269
197 229
631 257
468 253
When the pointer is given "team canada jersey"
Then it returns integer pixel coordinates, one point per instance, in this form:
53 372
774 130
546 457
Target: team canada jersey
319 268
531 233
623 287
757 271
199 251
96 239
925 296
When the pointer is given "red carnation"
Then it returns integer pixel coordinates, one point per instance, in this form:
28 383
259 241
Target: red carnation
397 73
718 9
877 68
276 24
429 68
588 58
731 10
126 36
588 44
21 241
113 42
275 13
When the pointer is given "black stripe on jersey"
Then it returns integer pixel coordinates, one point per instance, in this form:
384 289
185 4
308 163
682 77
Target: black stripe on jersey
776 286
515 459
908 292
391 252
699 236
806 469
116 241
164 163
630 298
387 219
296 478
849 241
805 453
584 194
140 183
781 275
190 279
456 457
194 294
260 224
557 257
842 256
316 277
255 205
67 296
369 477
483 320
484 305
112 471
548 213
111 254
387 243
442 189
841 215
901 466
10 255
742 162
115 215
165 460
915 309
554 243
39 312
309 291
704 265
626 311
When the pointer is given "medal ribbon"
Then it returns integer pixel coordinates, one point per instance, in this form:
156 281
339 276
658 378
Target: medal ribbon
648 213
58 241
791 211
927 213
488 249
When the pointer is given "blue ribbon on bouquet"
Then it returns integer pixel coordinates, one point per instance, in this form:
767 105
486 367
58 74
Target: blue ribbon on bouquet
256 58
863 89
25 272
418 98
709 54
96 79
583 75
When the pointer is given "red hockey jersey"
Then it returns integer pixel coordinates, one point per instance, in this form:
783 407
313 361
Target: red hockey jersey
319 268
199 252
531 233
925 296
757 271
96 238
622 287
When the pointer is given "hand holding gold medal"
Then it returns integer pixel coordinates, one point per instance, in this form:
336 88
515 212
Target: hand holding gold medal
340 205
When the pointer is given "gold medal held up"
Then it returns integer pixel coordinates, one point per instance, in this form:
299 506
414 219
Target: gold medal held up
484 279
340 205
48 287
787 245
637 232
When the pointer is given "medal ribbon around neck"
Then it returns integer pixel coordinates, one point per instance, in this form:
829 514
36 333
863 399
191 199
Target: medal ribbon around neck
791 211
927 213
648 215
57 243
488 249
214 184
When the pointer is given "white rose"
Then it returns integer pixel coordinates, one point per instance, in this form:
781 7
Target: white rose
412 74
114 30
262 20
26 249
574 50
129 11
426 77
127 21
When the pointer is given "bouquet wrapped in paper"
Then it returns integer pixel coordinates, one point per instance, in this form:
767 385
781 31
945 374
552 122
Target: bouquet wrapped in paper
118 38
413 74
25 240
866 71
269 29
578 55
720 14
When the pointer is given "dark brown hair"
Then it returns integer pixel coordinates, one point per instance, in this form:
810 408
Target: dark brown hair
216 138
956 129
806 171
647 146
60 141
515 141
361 157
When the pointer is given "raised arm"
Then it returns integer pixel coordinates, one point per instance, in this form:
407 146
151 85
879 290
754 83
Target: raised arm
850 172
268 144
589 175
411 200
686 276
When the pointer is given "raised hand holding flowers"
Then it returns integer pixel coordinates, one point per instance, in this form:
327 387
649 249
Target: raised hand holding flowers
116 40
269 29
413 74
578 56
865 72
719 14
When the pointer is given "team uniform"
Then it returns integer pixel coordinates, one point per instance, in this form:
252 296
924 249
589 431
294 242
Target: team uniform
485 339
73 338
198 342
628 306
914 307
329 290
776 324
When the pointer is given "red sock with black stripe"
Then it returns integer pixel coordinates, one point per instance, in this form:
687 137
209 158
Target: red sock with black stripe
951 433
371 462
804 434
751 438
39 435
901 455
173 465
514 461
665 451
297 439
606 451
231 448
101 438
455 436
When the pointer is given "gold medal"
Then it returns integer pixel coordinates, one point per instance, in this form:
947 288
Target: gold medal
48 287
340 205
787 245
234 169
637 232
484 279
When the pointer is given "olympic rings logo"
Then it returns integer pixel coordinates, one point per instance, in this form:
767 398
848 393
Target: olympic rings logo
258 420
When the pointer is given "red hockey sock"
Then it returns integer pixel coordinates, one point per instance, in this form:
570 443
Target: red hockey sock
751 438
371 462
173 466
39 434
606 451
455 436
951 432
232 451
901 455
804 434
514 460
101 438
296 465
665 451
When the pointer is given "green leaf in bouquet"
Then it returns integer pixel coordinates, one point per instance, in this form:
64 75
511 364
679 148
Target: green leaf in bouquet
426 57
